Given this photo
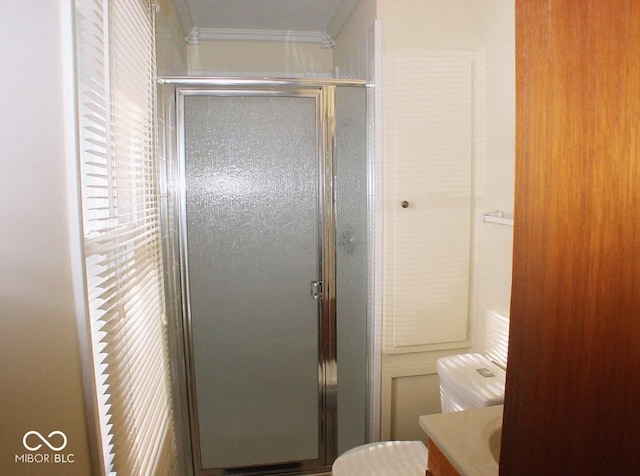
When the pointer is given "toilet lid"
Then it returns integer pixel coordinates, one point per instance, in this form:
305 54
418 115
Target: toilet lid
387 458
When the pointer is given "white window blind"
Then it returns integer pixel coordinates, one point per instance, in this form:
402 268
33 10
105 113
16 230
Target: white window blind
116 105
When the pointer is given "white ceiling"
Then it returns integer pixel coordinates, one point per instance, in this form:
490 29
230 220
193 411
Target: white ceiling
313 16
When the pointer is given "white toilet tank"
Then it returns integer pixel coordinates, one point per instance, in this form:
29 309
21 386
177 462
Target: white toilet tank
469 381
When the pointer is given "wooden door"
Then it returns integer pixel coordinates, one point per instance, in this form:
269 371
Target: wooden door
573 383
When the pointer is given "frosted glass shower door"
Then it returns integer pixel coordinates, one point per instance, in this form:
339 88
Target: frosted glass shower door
252 199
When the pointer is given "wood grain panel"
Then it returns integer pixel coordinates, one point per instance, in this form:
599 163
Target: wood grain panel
573 383
438 464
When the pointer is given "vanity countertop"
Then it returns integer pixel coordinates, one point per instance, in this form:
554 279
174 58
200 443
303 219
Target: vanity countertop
464 437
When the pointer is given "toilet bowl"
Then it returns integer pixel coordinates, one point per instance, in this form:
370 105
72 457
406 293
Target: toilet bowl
386 458
466 381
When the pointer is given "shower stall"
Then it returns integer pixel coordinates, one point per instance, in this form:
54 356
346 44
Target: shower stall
267 231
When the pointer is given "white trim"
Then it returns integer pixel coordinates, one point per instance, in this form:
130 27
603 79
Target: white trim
236 34
194 36
376 184
76 241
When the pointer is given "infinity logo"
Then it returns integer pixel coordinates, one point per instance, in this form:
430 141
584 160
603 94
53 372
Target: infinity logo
44 440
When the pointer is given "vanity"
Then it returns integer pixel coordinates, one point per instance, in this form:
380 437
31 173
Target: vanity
465 443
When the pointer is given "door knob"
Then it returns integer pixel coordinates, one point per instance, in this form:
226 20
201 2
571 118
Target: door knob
404 204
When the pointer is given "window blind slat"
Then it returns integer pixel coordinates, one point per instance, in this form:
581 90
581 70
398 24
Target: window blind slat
111 300
116 97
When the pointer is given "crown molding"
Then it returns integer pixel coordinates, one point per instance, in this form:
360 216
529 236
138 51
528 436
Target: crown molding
321 38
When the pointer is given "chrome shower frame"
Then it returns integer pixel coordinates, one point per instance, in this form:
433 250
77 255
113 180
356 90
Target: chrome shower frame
172 93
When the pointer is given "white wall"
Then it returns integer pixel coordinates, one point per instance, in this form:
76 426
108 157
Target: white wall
263 58
445 24
354 51
409 380
40 372
495 162
171 49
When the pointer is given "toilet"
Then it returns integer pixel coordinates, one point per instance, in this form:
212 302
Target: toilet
466 381
469 381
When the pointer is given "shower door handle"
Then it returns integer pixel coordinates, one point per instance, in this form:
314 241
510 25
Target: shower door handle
316 290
